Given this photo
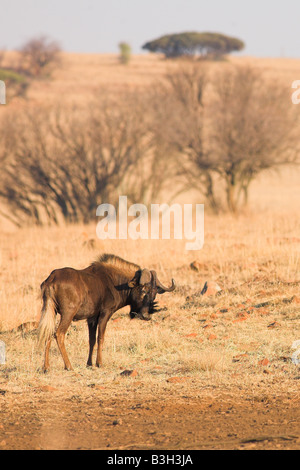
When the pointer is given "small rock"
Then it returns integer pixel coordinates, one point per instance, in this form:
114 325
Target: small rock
129 373
238 320
212 337
264 362
191 335
117 421
275 324
210 288
175 380
240 357
47 388
196 266
96 386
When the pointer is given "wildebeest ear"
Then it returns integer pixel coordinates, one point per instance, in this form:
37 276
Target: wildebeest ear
145 277
135 280
132 283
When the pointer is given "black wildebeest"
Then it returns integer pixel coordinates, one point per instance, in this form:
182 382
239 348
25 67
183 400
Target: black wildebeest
94 294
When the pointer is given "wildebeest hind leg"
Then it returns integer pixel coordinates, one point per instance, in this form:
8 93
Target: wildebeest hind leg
60 338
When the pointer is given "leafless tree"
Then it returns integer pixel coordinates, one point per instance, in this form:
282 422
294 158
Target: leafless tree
154 174
182 124
226 126
39 55
254 128
63 165
196 129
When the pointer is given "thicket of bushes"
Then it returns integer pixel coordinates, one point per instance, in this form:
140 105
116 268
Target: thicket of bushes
211 131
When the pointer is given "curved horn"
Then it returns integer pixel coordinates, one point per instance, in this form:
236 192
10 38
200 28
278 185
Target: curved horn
160 286
145 276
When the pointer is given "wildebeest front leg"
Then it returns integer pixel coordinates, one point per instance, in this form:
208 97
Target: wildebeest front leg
102 322
92 324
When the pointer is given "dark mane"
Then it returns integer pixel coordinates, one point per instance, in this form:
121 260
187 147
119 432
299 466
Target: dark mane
116 261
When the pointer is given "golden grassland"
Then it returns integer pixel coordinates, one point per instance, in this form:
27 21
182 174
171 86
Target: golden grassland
80 76
215 339
239 339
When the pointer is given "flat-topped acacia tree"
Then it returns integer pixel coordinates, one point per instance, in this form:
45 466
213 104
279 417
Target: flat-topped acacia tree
192 44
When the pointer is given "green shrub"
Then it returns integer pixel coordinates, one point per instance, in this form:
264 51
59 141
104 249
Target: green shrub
125 52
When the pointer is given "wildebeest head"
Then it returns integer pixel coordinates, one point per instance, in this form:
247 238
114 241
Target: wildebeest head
144 287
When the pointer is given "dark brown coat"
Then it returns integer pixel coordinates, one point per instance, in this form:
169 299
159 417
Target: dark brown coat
94 294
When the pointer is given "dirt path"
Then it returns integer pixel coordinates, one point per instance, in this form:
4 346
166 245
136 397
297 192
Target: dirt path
47 421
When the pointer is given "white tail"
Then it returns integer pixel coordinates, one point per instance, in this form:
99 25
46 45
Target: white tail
46 326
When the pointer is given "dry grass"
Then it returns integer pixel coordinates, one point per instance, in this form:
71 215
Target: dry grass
215 341
80 76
